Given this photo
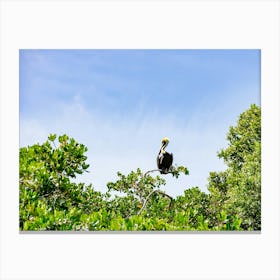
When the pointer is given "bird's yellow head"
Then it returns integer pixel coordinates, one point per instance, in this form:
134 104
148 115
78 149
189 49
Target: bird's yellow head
165 140
164 143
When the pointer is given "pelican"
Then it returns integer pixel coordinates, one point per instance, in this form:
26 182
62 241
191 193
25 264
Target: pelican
164 159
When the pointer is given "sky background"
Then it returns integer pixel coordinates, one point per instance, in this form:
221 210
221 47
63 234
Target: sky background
121 103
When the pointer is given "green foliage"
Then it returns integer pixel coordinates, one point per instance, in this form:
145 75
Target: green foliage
45 185
237 190
176 170
243 138
195 203
244 197
50 200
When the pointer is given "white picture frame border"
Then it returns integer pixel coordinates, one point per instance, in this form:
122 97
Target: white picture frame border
144 24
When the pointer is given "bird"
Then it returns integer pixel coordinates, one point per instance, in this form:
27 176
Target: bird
164 159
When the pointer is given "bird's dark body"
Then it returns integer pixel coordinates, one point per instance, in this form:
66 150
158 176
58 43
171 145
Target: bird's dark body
164 162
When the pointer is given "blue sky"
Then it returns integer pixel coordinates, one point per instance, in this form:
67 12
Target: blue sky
121 103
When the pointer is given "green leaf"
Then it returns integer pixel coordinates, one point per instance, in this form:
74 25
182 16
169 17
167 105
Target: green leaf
52 137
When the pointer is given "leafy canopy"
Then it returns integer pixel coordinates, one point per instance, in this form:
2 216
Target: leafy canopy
50 200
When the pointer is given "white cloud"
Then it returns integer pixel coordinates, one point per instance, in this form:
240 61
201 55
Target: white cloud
115 145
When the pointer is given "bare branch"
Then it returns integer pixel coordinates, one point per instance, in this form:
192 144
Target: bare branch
150 171
148 197
154 170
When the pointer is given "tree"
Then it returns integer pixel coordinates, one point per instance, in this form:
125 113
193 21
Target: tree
142 192
195 204
45 180
50 200
237 191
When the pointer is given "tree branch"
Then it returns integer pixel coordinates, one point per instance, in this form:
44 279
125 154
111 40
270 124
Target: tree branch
148 197
150 171
172 170
154 170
